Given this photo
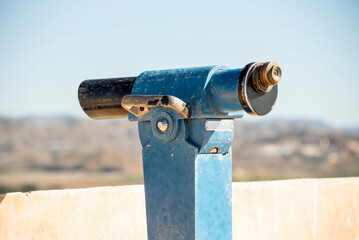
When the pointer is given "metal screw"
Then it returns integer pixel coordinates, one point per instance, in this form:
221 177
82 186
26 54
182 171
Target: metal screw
214 150
162 125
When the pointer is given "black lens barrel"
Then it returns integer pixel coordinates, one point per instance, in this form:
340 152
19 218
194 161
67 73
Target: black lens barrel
101 98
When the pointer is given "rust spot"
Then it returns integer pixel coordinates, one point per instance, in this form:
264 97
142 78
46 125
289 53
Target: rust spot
165 100
153 103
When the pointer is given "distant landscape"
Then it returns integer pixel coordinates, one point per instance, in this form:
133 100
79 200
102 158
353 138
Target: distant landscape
64 152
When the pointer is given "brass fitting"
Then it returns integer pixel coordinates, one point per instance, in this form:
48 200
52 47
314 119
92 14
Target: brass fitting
265 76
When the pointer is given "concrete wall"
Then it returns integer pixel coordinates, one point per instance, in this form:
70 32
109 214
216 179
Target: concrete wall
291 209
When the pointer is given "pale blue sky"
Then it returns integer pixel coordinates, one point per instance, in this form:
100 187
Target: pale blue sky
48 47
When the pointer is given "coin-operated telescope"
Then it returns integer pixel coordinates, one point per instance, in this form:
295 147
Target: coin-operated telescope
185 120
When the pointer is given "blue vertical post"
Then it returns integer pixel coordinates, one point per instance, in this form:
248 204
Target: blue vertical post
188 190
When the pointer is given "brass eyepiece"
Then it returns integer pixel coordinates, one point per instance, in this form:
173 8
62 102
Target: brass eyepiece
265 76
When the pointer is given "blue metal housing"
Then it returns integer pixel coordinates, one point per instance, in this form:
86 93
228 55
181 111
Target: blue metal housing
197 87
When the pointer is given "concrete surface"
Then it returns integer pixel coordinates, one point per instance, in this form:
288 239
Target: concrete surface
290 209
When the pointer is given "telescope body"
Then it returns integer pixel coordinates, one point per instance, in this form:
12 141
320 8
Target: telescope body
185 120
210 91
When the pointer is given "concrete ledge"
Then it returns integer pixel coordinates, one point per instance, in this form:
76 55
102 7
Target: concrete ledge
94 213
297 209
289 209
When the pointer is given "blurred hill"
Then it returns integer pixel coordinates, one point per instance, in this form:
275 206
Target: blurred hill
65 152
